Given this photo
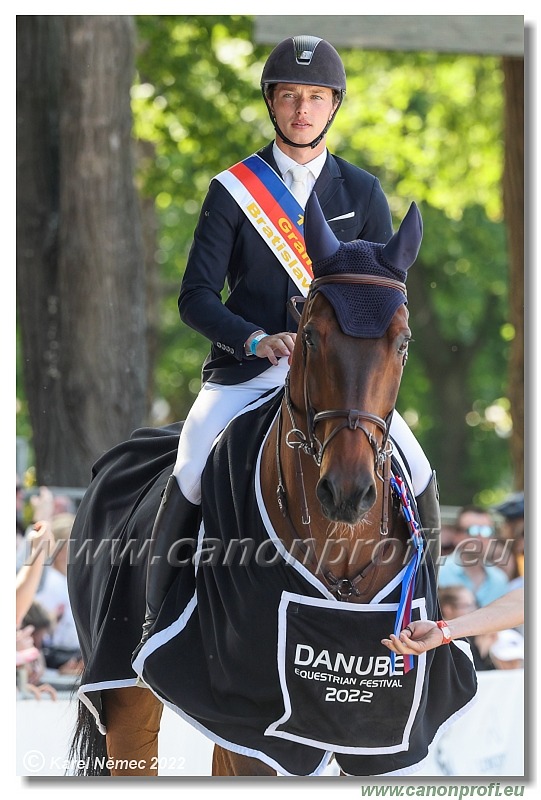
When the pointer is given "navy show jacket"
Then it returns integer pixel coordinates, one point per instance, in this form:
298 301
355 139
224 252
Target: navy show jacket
228 250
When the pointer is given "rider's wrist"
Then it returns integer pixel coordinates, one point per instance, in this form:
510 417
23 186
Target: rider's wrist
253 340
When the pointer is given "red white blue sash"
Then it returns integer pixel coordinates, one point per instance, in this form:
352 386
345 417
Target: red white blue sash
274 212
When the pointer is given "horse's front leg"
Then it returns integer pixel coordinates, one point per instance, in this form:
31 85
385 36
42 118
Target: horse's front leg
228 764
132 718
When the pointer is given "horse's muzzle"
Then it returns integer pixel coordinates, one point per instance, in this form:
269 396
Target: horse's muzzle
339 506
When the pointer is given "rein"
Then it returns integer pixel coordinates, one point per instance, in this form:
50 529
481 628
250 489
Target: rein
310 444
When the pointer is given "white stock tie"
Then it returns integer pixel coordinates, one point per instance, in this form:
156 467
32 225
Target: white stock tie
299 186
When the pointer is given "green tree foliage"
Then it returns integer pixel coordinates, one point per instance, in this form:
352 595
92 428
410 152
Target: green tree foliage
197 103
430 127
453 391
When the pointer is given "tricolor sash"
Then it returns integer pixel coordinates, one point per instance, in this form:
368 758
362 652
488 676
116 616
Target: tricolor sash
274 212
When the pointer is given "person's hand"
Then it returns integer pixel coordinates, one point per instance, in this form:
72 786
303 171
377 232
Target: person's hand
40 534
39 691
26 656
23 637
275 346
27 653
43 504
417 638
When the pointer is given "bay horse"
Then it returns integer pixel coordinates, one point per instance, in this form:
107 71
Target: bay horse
310 551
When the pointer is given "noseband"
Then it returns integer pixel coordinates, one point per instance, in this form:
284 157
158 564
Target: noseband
352 418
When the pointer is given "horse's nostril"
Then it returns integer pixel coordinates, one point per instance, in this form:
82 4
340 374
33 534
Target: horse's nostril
349 506
325 492
368 496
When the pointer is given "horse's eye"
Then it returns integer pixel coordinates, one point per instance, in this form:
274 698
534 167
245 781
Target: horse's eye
307 338
403 349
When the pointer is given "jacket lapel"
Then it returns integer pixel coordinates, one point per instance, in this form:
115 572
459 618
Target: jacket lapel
328 183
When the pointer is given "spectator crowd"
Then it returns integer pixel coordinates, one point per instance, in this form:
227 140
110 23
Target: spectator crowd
482 560
46 638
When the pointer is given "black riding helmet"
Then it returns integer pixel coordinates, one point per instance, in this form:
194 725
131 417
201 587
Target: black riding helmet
306 60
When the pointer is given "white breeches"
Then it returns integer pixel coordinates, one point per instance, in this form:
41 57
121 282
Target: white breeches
216 405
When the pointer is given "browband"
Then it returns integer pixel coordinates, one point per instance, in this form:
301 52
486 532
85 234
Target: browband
345 277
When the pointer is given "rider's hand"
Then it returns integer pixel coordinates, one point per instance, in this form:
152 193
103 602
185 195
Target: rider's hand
275 346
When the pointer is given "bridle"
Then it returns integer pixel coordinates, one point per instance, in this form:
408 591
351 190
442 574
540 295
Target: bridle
352 419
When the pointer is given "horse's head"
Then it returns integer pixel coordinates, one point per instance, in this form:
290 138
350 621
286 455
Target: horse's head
350 352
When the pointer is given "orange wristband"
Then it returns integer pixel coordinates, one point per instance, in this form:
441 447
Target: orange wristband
446 631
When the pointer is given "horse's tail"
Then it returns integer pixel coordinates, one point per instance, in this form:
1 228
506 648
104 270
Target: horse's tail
88 750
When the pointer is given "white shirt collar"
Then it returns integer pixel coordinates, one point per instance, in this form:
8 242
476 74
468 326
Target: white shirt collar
284 162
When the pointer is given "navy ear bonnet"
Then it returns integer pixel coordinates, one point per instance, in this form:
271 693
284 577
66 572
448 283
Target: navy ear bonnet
363 310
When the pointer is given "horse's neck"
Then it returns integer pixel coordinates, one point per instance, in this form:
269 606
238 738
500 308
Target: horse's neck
340 550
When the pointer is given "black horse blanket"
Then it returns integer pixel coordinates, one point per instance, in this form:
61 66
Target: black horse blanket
250 647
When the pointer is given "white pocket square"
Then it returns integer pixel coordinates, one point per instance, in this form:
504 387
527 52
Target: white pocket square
342 216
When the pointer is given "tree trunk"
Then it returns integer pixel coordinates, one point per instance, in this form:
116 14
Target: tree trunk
513 198
80 263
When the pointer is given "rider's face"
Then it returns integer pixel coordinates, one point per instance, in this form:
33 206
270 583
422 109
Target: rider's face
302 112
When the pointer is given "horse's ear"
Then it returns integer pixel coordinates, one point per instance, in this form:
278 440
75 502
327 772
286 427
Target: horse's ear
403 248
321 243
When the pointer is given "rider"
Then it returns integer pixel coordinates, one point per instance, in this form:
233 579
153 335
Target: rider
251 333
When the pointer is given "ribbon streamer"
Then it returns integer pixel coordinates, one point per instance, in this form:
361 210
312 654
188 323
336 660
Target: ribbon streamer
403 614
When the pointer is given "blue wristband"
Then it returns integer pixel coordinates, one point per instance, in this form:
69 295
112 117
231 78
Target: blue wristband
255 341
